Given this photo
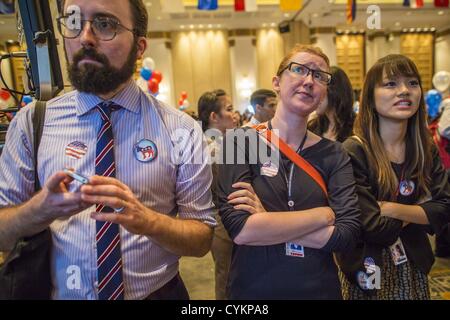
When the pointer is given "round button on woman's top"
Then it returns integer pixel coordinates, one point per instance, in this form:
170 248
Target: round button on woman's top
291 204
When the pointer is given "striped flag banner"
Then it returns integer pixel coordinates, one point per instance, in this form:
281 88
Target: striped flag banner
413 3
172 6
351 11
441 3
291 5
207 5
245 5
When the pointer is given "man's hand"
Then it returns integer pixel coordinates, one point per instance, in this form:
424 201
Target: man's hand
55 201
110 192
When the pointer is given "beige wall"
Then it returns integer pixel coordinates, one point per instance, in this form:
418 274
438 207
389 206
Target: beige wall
201 62
327 42
269 52
244 71
442 53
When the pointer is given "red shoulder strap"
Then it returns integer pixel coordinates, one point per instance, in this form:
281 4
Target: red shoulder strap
292 155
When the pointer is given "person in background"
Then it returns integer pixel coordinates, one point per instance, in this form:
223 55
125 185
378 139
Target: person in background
264 102
237 117
126 229
216 114
402 187
286 221
335 115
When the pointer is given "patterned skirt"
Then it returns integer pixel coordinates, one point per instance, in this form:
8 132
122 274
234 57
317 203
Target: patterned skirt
402 282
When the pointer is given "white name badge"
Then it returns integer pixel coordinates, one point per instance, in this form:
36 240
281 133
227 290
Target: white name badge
398 252
295 250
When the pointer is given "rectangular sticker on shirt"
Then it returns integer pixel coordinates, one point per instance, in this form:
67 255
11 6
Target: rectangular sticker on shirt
294 250
398 252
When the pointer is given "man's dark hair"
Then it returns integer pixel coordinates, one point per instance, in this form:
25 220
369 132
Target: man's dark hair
138 12
260 96
207 104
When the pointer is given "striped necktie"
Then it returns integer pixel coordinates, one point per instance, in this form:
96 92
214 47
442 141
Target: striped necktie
109 258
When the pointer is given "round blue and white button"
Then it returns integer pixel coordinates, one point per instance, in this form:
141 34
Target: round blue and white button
145 150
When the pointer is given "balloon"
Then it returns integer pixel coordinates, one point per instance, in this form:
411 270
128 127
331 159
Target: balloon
441 80
149 64
433 100
157 76
27 99
186 104
4 95
184 95
146 74
180 102
153 86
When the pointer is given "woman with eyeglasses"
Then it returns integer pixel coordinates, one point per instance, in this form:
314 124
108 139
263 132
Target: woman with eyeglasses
287 215
402 187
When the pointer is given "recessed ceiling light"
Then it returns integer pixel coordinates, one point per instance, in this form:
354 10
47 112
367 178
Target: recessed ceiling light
433 29
191 26
287 15
397 24
273 24
182 27
315 15
264 25
210 26
440 13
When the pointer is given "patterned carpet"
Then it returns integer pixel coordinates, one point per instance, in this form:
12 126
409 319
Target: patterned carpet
440 280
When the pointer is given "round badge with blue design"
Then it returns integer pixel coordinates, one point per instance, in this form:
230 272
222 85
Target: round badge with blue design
145 150
406 188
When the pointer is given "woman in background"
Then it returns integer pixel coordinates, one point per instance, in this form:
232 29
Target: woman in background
335 116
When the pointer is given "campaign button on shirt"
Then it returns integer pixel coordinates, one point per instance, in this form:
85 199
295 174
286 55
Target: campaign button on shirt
76 150
406 187
145 150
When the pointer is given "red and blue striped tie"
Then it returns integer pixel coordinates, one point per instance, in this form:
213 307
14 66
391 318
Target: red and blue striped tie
109 258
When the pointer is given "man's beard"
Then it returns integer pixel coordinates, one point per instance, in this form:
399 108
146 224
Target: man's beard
91 78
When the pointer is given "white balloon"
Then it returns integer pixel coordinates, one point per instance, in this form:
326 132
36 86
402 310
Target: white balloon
149 63
441 80
186 104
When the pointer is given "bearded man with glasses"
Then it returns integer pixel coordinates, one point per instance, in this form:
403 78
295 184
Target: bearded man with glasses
119 236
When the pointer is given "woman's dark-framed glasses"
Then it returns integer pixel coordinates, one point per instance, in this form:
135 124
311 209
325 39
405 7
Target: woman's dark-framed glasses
104 28
303 71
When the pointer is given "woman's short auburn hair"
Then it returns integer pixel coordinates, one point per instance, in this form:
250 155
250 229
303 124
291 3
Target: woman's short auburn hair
302 48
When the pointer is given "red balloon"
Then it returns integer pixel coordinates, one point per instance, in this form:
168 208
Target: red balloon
157 75
153 86
184 95
180 102
4 95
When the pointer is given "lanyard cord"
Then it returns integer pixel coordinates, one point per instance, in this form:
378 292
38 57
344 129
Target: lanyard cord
291 171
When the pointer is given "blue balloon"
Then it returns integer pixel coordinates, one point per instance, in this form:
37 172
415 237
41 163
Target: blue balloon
146 74
27 99
433 100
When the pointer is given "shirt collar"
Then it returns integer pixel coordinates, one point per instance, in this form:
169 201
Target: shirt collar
129 98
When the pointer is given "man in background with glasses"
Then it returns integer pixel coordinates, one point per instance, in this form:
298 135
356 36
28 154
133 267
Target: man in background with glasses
120 235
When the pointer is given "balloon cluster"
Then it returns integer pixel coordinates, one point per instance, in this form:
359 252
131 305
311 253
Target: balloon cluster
150 78
183 102
433 98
